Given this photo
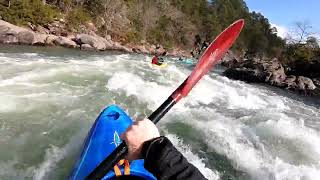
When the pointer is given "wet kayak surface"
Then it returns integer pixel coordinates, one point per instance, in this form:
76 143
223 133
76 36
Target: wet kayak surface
50 97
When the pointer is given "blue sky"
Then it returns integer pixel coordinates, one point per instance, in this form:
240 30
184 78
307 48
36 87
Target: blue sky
284 13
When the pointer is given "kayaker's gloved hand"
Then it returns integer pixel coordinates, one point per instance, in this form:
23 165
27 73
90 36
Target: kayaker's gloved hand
136 135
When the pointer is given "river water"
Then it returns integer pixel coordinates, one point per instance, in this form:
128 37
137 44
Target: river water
49 98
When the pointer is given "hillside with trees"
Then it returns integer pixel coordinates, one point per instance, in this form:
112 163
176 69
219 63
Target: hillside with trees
168 22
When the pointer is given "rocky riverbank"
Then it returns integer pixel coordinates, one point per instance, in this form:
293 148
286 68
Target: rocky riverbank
54 35
251 70
272 72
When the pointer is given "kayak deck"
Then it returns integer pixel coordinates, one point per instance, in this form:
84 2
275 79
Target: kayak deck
160 66
102 139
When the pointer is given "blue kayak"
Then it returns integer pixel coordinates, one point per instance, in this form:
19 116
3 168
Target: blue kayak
102 140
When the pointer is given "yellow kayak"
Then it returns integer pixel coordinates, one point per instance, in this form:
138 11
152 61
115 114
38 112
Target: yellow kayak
160 66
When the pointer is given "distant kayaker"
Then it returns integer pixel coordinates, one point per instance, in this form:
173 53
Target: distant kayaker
162 159
155 60
158 60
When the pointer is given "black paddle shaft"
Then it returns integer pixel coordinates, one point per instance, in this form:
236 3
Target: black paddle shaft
119 153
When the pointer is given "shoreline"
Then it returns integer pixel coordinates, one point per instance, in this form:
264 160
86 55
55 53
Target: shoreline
271 73
16 35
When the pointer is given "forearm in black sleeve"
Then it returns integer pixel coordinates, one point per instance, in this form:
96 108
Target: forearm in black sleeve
165 162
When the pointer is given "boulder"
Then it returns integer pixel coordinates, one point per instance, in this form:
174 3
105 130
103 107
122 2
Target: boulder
50 40
316 81
8 33
229 59
42 30
97 42
256 70
4 29
120 47
86 47
109 45
140 49
249 71
276 73
56 28
9 39
245 74
305 83
12 34
108 37
116 46
31 26
65 42
25 37
40 39
290 82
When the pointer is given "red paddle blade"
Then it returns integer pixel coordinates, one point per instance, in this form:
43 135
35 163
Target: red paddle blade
210 57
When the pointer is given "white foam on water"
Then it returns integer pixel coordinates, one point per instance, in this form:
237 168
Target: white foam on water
230 138
133 85
192 158
30 54
52 157
208 90
306 140
260 142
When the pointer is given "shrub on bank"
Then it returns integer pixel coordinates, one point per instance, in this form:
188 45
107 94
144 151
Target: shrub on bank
21 12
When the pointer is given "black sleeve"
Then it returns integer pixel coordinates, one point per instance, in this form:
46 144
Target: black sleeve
165 162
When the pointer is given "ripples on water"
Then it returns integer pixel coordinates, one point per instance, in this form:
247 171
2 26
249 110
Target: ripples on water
49 99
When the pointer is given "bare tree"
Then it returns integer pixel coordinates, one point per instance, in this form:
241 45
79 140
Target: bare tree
301 32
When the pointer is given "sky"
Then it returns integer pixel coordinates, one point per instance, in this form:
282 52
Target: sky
284 13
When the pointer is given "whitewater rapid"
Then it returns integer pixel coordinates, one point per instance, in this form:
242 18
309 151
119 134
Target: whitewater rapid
226 128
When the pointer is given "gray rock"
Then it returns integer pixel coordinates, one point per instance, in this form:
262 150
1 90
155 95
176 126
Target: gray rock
316 81
86 47
42 30
305 83
255 70
3 29
291 82
65 42
108 37
40 39
56 28
109 44
8 39
25 37
97 42
276 74
229 59
140 49
31 26
50 40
